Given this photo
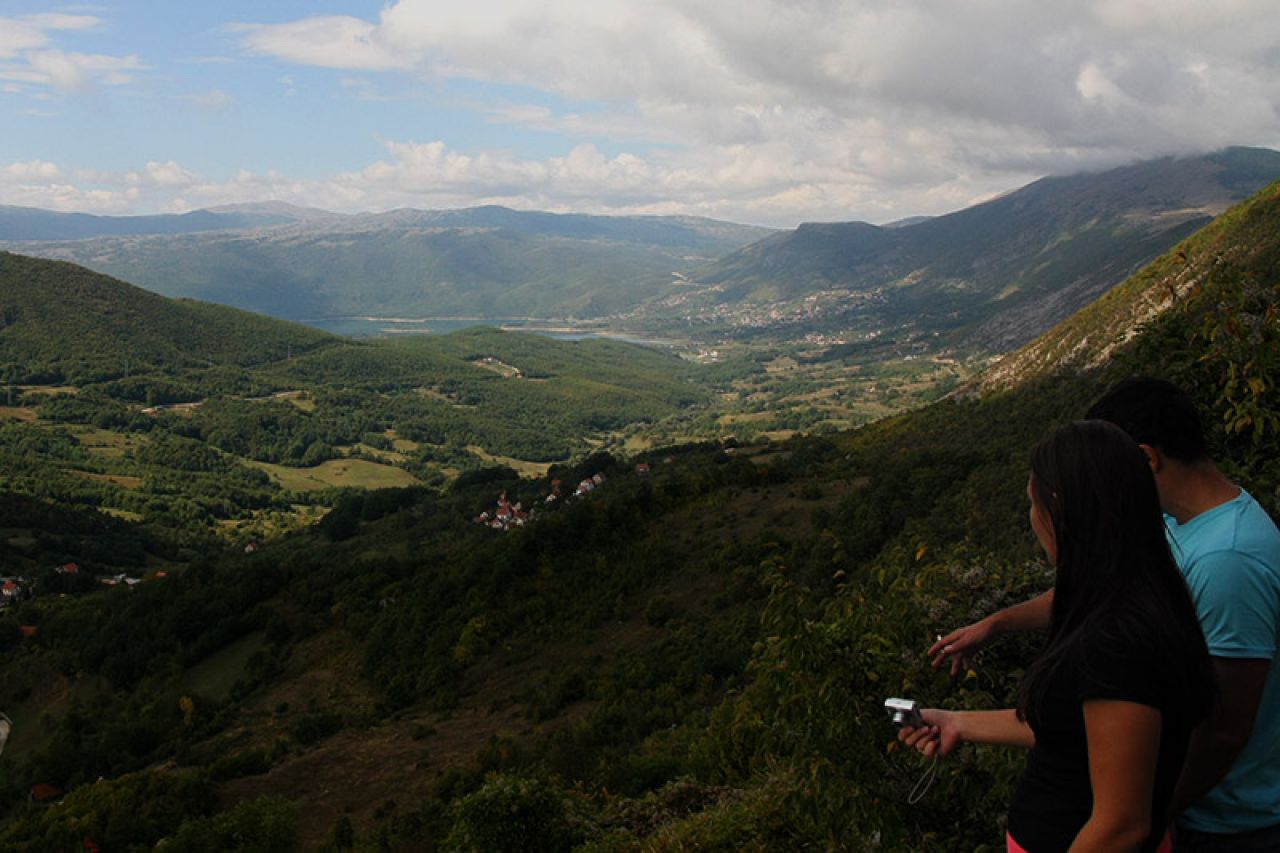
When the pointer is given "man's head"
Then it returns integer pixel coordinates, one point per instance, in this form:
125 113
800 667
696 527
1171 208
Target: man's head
1155 413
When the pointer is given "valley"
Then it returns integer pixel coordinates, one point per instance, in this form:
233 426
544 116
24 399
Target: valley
286 629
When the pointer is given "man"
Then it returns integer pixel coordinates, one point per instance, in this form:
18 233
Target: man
1229 553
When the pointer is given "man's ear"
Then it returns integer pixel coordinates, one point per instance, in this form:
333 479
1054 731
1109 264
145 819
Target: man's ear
1154 457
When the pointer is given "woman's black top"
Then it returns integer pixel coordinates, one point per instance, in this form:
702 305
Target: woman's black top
1054 797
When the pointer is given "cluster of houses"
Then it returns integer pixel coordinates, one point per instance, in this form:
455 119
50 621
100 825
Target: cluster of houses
508 515
117 580
14 589
11 590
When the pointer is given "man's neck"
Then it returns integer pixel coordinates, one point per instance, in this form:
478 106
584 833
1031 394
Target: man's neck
1188 490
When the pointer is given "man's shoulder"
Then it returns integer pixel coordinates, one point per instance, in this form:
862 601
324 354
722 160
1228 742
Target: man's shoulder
1256 531
1237 530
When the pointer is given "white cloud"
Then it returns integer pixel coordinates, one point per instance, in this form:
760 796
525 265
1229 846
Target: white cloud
770 111
167 174
841 104
29 56
34 170
30 32
333 42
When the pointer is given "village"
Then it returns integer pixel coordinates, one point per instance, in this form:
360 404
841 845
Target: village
507 515
15 589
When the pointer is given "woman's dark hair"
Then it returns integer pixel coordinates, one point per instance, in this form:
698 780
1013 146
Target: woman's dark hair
1116 577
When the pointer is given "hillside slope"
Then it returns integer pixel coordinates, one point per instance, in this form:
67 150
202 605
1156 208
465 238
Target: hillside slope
1238 251
997 274
58 319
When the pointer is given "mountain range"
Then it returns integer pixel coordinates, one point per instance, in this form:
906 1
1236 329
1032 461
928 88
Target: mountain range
301 264
986 278
993 275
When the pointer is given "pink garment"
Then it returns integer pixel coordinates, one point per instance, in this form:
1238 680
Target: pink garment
1166 844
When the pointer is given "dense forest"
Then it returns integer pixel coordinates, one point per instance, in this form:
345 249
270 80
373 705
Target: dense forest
692 656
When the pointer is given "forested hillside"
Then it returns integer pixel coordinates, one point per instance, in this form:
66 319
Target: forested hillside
693 655
60 322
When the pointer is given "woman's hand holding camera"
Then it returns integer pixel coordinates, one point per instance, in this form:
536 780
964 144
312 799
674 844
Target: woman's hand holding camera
940 735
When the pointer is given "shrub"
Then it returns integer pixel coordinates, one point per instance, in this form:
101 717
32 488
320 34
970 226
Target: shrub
514 814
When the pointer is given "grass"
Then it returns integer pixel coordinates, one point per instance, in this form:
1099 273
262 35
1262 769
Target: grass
525 469
48 389
105 442
123 514
122 480
17 413
50 698
341 473
215 675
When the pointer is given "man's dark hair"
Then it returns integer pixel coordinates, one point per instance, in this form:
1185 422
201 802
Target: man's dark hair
1157 413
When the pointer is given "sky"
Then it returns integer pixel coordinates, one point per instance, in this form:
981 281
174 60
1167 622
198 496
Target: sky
771 112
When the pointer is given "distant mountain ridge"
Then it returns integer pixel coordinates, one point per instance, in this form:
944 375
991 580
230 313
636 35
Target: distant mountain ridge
985 279
30 223
996 274
484 261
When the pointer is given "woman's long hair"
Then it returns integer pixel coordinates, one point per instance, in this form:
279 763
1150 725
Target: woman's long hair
1116 577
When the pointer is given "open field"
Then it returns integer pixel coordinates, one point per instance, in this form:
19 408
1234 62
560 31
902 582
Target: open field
215 675
526 469
339 473
121 480
106 442
17 413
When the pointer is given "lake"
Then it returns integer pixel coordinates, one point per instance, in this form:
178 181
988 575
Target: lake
378 327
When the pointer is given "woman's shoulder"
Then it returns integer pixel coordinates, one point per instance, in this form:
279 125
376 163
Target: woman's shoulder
1123 661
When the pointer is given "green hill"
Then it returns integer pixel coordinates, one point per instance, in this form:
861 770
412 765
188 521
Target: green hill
203 425
63 322
693 657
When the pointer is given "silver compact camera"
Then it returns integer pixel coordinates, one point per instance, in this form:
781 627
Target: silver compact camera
904 712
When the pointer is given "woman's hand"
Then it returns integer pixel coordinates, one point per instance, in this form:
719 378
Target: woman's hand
962 644
943 731
939 735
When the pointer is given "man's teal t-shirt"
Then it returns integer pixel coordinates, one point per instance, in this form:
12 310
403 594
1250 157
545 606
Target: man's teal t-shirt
1230 556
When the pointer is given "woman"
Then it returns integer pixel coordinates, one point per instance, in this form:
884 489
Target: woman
1108 706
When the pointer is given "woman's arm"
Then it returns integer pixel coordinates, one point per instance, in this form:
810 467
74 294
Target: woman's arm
1124 744
963 643
945 730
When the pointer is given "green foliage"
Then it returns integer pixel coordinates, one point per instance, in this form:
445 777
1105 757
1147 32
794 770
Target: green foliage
128 813
263 825
513 814
65 323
